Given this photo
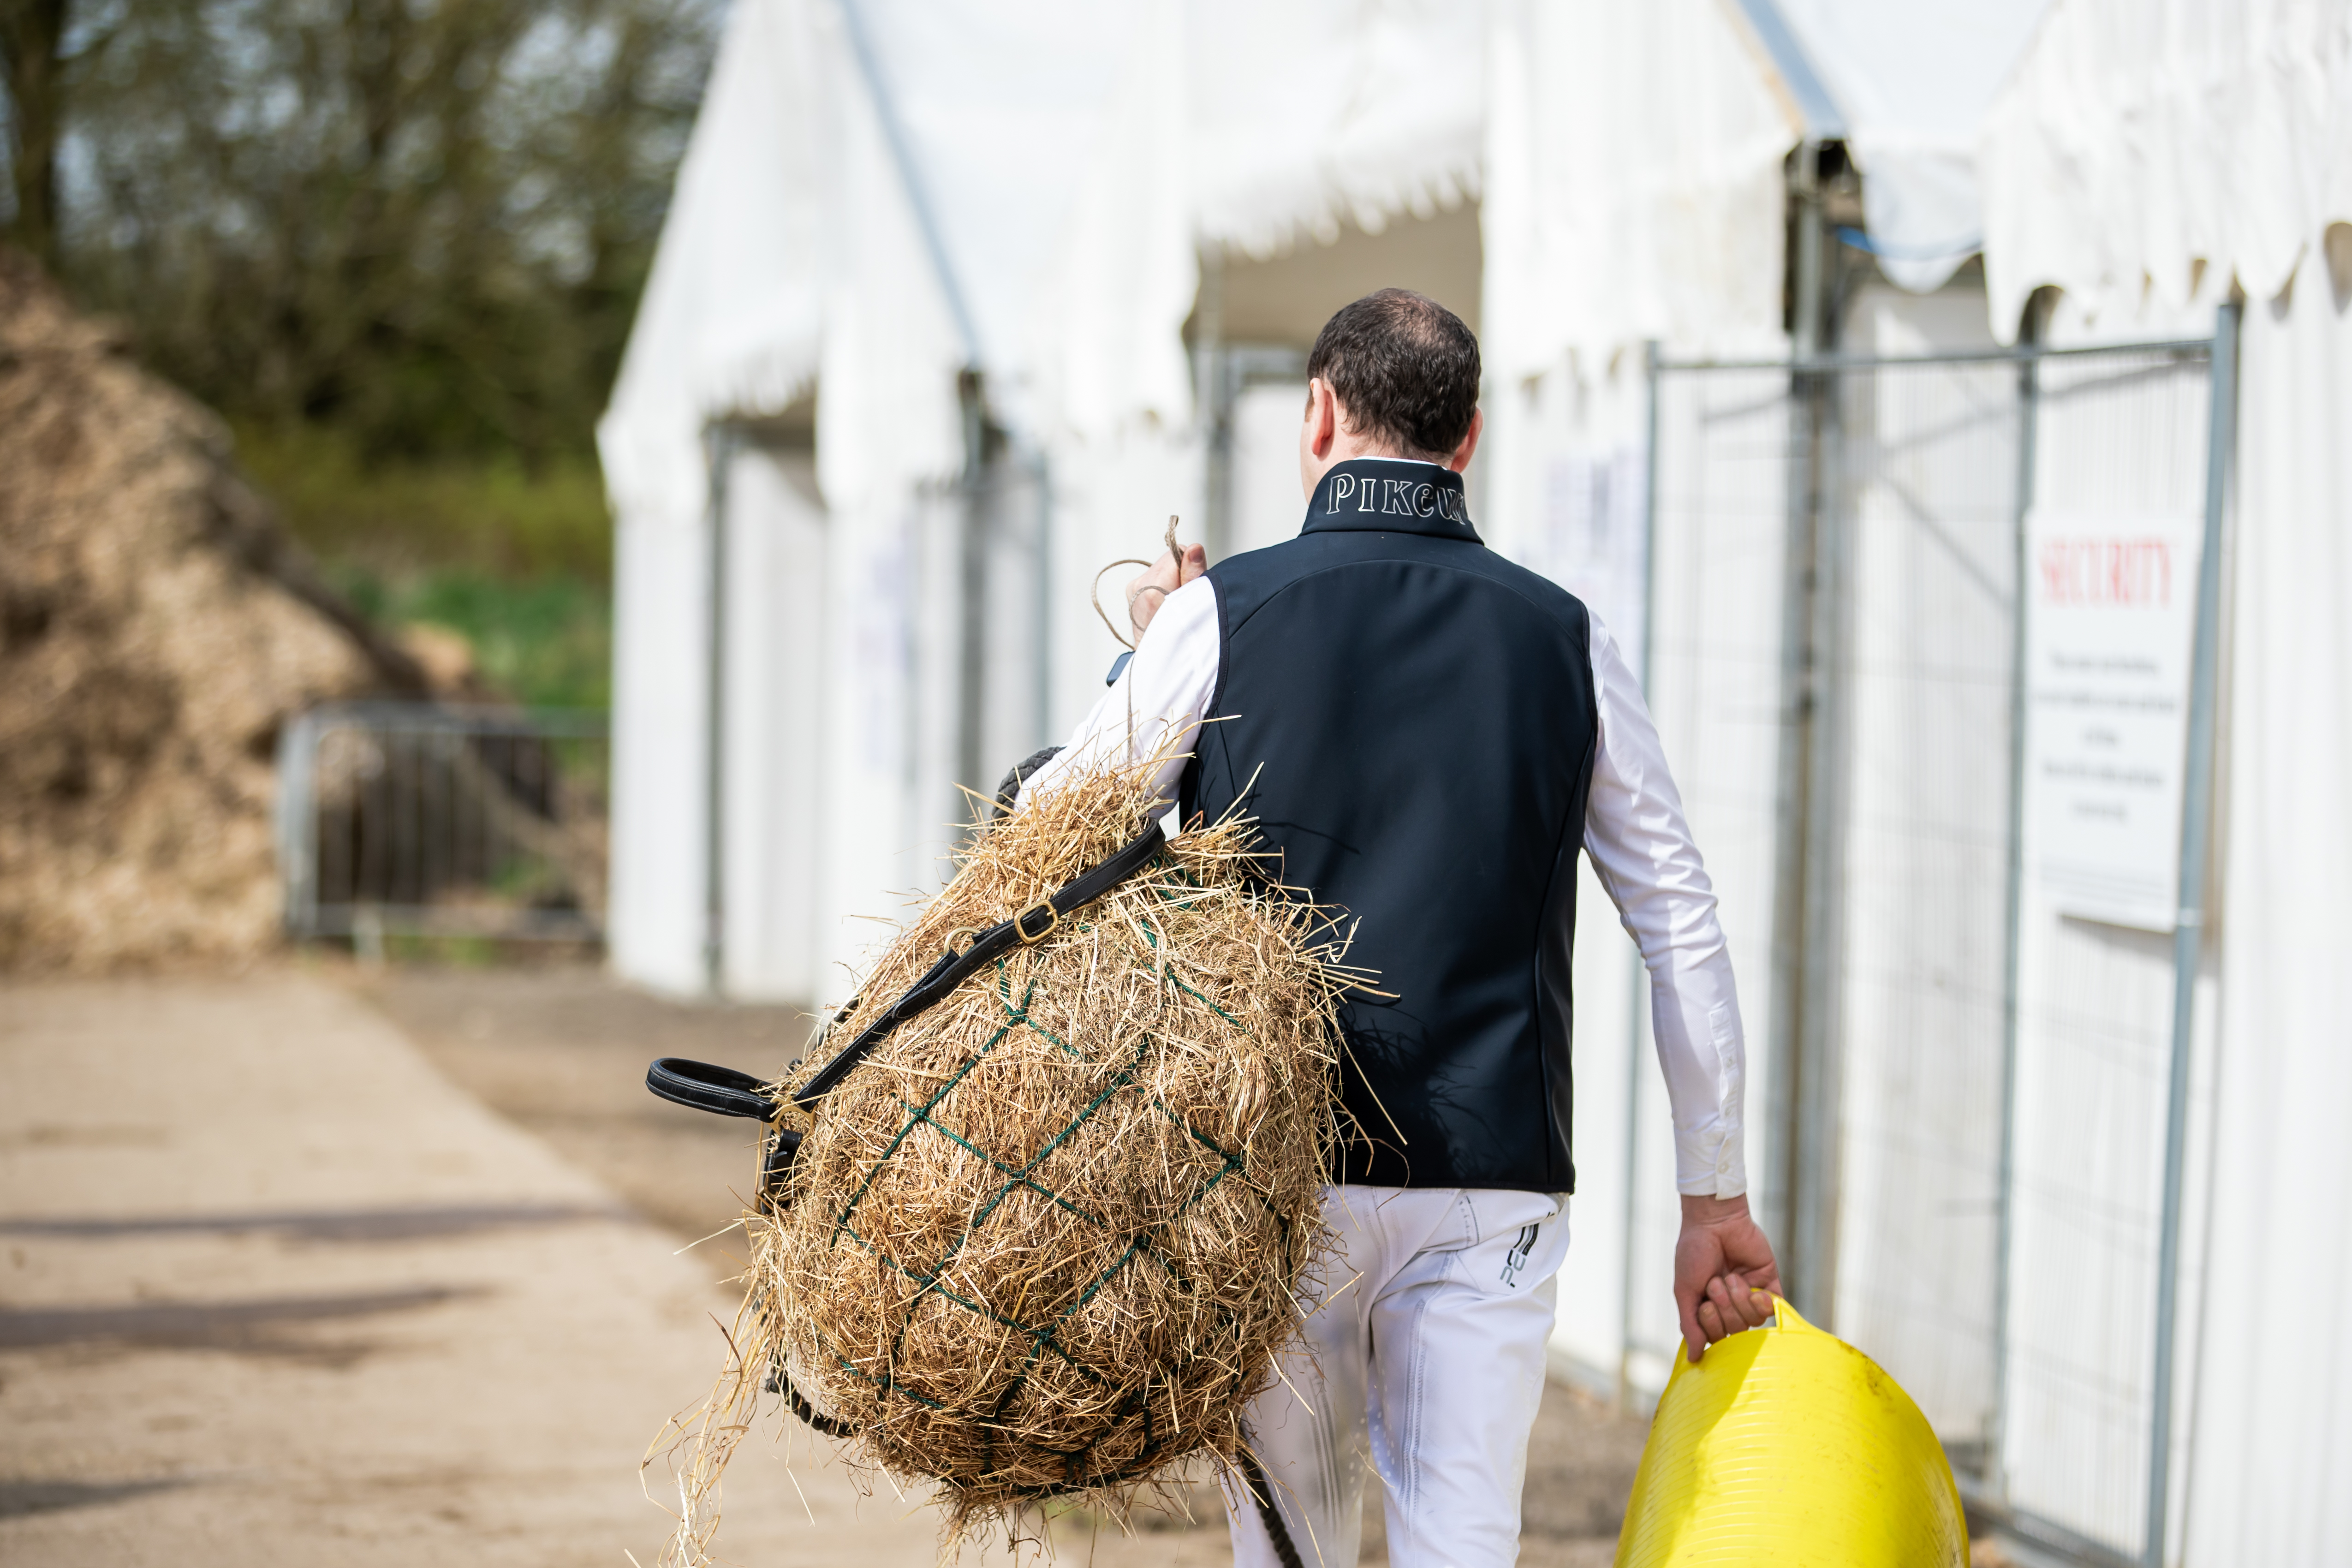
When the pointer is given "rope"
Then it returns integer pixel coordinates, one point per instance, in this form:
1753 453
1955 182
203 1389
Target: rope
1285 1551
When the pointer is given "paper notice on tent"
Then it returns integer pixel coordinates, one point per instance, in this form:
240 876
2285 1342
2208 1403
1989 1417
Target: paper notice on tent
2111 617
1594 542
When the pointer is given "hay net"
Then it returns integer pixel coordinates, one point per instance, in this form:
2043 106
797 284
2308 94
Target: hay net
1048 1238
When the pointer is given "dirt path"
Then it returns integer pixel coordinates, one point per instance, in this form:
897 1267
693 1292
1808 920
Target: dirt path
276 1291
276 1288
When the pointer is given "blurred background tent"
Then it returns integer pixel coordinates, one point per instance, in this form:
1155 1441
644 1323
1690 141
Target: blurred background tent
949 313
1027 244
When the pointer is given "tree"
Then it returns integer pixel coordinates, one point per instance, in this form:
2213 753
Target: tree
421 222
32 59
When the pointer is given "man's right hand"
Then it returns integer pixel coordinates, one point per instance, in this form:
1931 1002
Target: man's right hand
1163 577
1724 1273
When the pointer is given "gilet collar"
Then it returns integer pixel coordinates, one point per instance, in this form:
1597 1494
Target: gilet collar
1391 495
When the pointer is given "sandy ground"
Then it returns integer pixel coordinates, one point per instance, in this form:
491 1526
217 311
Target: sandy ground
326 1267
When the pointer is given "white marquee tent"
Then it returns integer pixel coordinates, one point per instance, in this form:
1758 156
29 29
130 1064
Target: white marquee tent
882 193
1110 231
2146 159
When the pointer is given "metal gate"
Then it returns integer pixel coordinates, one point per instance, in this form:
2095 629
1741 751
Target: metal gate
427 819
1967 1107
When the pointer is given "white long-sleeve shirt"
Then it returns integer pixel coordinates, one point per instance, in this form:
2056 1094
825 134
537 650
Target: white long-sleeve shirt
1634 832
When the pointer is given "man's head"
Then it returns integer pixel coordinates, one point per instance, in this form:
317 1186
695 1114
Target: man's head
1395 374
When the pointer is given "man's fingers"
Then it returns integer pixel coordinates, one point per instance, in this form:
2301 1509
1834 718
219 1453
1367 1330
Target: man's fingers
1693 1337
1752 1307
1729 1318
1710 1321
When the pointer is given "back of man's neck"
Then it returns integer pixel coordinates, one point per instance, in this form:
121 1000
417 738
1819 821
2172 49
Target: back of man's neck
1388 457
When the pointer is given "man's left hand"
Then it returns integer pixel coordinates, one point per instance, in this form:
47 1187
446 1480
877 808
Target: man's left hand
1724 1273
1165 575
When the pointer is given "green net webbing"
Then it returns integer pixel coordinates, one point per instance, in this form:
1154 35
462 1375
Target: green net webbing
932 1274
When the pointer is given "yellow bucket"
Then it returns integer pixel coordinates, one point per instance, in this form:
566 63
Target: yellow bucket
1789 1447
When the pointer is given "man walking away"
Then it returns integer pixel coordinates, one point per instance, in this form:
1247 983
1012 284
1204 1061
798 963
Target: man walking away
1434 734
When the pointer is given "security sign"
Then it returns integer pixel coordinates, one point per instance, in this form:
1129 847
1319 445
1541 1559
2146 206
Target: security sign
2111 620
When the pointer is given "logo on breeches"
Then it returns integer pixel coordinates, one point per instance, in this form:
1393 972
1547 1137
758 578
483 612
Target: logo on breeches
1519 1250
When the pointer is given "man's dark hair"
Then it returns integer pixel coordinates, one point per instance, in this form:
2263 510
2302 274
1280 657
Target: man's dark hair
1407 369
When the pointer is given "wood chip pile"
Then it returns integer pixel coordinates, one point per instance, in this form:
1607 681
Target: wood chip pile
156 629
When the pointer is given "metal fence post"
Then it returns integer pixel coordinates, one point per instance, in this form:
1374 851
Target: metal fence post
1816 1160
2188 931
1042 474
1782 1185
2029 407
298 823
1639 971
976 523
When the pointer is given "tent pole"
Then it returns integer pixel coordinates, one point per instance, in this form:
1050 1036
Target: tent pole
1785 1185
2188 931
718 444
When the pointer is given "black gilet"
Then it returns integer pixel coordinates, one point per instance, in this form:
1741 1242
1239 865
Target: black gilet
1418 716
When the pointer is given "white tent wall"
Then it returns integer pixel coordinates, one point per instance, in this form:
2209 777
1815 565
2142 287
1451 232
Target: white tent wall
2142 160
2269 1450
1111 499
1335 112
742 229
1266 505
660 724
795 254
774 764
1634 190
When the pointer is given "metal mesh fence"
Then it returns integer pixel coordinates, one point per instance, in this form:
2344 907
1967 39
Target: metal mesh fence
2120 437
1715 683
1926 494
1958 1093
417 819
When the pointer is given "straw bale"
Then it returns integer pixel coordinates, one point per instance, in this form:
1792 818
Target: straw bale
1046 1240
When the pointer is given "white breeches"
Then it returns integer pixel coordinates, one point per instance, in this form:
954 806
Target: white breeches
1426 1355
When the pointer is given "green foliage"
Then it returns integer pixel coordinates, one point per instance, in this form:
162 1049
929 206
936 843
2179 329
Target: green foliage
448 952
545 641
520 563
423 226
399 243
484 514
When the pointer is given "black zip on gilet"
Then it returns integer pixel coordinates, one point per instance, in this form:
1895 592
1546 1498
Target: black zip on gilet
1418 716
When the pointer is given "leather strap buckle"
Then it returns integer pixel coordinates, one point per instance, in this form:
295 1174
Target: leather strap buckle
1021 923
